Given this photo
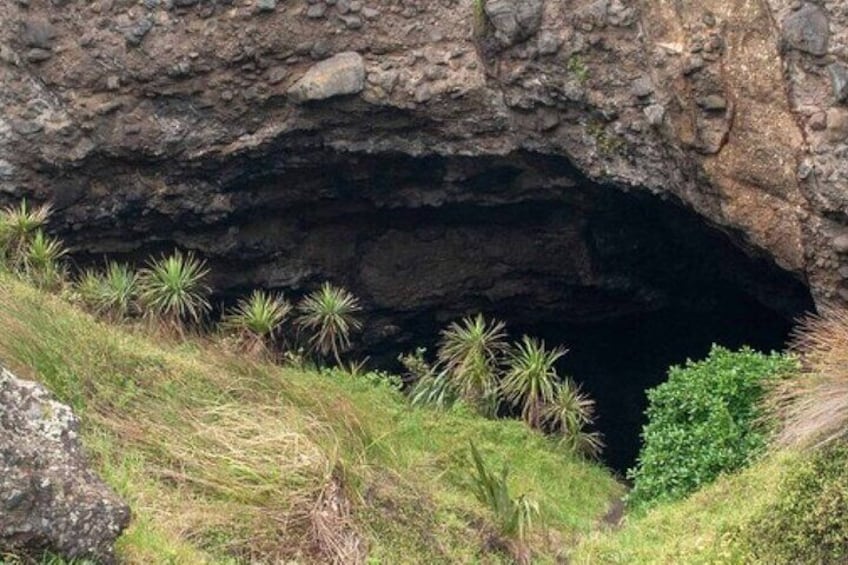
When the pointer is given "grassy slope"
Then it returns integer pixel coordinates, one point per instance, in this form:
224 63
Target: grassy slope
220 457
703 528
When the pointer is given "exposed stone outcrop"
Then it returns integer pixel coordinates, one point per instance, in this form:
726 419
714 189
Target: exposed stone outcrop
339 75
181 122
49 497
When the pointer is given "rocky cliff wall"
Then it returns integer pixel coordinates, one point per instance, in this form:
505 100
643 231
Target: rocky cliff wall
375 141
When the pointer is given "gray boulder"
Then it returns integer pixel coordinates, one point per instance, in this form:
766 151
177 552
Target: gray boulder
514 21
339 75
839 81
49 497
807 30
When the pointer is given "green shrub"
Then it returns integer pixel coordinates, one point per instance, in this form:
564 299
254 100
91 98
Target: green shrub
705 420
808 523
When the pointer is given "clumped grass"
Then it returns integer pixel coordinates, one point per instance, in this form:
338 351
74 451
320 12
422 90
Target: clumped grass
221 457
707 527
88 289
807 523
41 261
112 294
119 291
813 406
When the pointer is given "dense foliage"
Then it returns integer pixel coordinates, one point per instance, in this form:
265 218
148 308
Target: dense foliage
808 523
705 420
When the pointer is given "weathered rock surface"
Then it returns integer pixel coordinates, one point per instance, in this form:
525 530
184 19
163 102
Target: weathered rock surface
339 75
192 131
49 497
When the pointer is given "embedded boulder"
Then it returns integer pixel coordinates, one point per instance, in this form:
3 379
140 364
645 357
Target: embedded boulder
339 75
514 21
807 30
50 499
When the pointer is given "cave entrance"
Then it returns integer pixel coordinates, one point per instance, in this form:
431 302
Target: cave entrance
617 360
629 282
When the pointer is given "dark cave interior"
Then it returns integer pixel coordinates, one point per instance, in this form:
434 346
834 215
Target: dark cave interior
629 282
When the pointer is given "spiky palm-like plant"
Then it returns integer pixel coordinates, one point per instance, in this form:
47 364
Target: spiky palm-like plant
568 415
330 315
469 354
88 289
42 261
530 377
18 225
172 289
257 319
119 291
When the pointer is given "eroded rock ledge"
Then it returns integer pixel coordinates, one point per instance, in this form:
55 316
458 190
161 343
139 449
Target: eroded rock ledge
233 126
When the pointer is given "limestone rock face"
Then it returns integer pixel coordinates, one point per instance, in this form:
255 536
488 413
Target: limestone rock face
285 140
49 497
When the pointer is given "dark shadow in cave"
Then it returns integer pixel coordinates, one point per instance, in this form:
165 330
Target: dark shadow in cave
630 282
671 286
617 360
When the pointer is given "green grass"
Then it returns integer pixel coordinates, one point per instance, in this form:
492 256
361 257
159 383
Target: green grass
227 460
705 528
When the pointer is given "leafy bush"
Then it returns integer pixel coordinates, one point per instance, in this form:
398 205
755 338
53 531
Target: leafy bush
705 420
808 523
514 516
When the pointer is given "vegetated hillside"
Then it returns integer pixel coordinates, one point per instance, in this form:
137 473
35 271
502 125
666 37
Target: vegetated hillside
790 506
703 528
224 460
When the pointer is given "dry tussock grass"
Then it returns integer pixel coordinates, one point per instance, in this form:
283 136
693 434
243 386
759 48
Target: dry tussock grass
813 407
228 465
333 532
